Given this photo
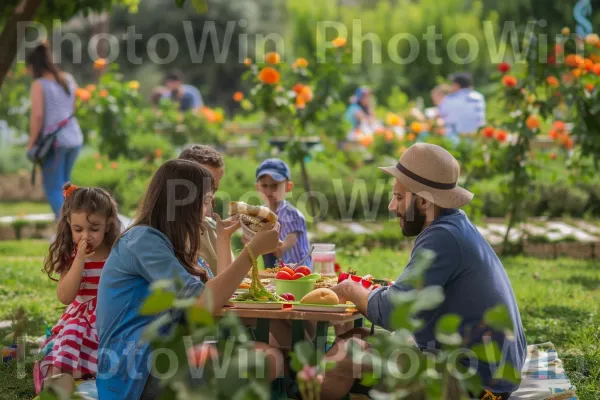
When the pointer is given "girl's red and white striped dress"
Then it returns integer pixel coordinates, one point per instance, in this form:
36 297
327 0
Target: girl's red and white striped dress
75 336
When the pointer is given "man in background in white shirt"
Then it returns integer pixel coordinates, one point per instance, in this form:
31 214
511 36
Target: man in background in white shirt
463 110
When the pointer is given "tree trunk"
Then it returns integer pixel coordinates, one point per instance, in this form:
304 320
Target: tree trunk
9 38
306 181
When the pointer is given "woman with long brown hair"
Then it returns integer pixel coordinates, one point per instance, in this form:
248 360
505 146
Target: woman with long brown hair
52 109
162 244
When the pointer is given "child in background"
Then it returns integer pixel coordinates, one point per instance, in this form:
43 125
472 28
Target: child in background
87 229
273 182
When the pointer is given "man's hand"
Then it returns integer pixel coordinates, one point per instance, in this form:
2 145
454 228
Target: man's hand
348 290
226 227
343 290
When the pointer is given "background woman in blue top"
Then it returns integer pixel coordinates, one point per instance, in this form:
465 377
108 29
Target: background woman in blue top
162 243
360 110
52 103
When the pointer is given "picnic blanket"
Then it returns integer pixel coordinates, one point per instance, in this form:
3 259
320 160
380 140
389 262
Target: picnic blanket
543 376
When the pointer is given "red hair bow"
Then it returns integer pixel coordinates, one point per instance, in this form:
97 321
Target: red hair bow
68 191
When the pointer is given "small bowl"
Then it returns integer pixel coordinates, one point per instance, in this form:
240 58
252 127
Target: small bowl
298 288
247 231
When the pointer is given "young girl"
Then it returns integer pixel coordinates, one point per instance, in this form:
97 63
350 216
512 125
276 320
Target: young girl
87 229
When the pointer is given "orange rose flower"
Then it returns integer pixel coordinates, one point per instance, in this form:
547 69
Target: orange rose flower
552 156
389 136
301 62
269 75
297 88
569 143
82 94
574 60
533 122
90 88
273 58
307 93
393 119
103 93
562 138
209 114
577 72
596 69
592 39
553 134
590 87
99 166
247 62
410 137
114 165
501 135
100 63
559 126
158 152
238 96
588 64
300 102
552 81
509 81
366 140
488 132
339 42
416 127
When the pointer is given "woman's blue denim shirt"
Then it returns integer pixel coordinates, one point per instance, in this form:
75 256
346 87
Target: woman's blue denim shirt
143 255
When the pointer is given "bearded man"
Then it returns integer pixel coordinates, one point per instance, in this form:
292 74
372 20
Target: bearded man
426 200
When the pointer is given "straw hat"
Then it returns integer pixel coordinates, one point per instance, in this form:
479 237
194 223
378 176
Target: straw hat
431 172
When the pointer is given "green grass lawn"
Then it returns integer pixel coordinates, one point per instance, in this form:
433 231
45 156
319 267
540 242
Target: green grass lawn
559 302
24 207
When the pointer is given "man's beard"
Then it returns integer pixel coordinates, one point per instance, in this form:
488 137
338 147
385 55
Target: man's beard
412 220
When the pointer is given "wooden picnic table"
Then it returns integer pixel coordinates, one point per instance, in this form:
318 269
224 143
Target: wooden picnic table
298 320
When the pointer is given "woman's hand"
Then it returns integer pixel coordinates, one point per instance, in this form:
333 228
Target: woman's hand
226 227
265 241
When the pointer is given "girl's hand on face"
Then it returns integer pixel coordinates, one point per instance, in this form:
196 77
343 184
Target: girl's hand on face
82 250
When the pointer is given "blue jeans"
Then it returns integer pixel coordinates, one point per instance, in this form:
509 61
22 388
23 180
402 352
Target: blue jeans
56 171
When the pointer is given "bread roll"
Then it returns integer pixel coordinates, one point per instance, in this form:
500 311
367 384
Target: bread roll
321 296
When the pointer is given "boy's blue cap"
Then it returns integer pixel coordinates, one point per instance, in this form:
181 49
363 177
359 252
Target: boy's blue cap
275 168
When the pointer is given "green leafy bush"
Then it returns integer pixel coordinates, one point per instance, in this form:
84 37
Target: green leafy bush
13 159
148 146
125 179
389 237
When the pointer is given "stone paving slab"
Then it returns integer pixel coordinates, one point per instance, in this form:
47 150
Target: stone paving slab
568 230
7 220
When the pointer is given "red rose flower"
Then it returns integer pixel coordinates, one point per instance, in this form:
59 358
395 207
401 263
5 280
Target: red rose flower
504 67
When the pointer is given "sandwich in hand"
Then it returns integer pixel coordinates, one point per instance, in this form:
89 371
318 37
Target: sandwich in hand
253 217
